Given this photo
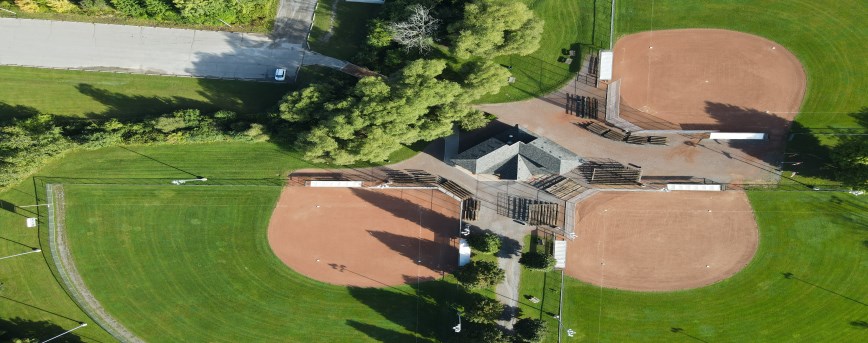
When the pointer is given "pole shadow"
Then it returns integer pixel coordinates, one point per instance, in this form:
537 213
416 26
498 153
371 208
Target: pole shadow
40 309
791 276
681 331
160 162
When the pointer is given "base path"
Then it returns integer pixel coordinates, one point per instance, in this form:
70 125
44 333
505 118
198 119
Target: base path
662 241
710 79
367 238
146 50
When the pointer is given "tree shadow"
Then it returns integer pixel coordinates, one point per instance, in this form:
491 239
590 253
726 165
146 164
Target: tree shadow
851 210
429 254
123 106
384 335
732 118
859 324
21 328
791 276
9 112
429 312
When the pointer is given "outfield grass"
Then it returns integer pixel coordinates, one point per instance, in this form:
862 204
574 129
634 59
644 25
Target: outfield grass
95 95
30 291
582 25
818 237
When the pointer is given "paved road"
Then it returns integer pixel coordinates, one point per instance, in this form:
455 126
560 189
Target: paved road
293 21
139 49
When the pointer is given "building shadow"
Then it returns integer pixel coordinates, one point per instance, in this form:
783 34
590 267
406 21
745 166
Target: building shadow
791 276
41 330
380 334
429 254
425 212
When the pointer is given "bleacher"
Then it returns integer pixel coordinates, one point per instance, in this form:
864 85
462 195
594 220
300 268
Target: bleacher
655 140
559 186
529 211
610 173
471 209
454 188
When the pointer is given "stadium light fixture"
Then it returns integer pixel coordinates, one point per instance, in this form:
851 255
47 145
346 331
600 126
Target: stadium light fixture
457 328
35 250
181 182
81 325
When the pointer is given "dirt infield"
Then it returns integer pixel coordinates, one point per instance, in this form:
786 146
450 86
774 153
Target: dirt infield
661 241
710 79
362 237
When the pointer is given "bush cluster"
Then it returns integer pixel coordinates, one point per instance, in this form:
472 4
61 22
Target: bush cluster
537 261
209 12
27 144
486 242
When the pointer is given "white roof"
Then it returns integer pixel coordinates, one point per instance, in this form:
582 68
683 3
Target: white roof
606 60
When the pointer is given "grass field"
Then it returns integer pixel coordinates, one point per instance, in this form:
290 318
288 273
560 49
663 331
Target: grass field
95 95
221 283
30 292
582 25
820 238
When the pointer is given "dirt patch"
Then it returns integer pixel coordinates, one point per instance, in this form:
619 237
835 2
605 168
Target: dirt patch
710 79
661 241
363 237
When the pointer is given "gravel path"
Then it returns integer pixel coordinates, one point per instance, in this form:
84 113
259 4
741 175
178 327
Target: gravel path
69 274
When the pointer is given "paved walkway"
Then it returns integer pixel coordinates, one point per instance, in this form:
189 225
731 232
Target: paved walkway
293 21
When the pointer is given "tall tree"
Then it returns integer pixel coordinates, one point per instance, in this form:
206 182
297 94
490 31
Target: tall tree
496 27
417 31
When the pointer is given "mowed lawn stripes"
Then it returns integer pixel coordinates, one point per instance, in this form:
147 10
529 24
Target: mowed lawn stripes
193 264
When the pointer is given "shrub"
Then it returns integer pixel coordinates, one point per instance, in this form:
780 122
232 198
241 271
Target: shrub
482 309
131 8
486 242
28 6
529 330
480 274
537 261
60 6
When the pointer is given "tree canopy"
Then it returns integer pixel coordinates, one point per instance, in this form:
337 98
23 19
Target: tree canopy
496 27
369 120
480 274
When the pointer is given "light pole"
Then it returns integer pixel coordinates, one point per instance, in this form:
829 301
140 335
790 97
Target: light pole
181 182
81 325
35 250
457 328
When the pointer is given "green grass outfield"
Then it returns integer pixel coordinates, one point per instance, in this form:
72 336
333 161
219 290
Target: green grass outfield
93 94
29 290
819 237
193 264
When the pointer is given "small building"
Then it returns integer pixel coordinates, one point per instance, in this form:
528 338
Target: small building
517 154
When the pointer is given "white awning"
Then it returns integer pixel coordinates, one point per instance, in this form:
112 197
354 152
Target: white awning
606 60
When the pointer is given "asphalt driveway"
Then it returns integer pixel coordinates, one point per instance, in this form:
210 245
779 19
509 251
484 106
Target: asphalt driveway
150 50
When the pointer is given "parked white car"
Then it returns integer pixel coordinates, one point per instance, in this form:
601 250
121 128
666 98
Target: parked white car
280 74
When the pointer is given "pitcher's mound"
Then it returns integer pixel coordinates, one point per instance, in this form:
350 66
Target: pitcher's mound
656 241
363 237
